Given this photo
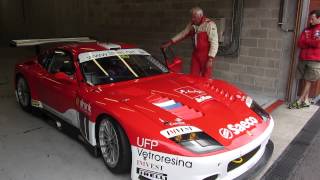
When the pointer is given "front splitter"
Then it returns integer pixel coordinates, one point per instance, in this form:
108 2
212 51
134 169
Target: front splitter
260 165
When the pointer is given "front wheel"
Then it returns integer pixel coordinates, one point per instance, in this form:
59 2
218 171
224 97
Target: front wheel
114 146
23 93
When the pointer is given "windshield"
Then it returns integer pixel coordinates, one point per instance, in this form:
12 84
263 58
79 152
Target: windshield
102 67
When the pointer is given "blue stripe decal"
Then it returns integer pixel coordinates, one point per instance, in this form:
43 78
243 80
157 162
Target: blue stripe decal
174 106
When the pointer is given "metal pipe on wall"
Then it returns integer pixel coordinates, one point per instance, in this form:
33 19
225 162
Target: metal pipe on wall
232 49
282 11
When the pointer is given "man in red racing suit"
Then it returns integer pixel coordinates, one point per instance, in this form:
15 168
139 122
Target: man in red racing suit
205 42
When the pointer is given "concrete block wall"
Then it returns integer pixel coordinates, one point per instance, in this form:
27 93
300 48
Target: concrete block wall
262 65
264 51
149 23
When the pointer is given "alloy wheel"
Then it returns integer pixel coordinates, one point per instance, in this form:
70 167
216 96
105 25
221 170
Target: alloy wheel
109 143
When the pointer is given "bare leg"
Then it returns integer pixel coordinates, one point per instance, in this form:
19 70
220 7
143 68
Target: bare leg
305 92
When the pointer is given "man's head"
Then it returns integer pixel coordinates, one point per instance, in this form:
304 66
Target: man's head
314 17
196 15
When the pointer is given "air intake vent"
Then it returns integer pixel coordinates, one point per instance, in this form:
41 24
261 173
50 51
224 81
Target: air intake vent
180 110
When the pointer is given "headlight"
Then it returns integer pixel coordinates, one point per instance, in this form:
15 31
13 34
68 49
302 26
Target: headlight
198 142
254 106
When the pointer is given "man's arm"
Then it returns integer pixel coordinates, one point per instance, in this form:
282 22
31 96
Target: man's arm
183 34
213 39
302 41
187 31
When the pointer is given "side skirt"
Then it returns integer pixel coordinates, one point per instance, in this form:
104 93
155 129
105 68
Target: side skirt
72 132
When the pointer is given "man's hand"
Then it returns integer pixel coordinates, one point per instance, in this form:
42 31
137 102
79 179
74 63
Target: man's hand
210 62
166 44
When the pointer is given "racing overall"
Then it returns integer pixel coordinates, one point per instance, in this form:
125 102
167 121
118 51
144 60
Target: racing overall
205 43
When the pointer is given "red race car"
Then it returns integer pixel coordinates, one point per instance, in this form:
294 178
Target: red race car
139 115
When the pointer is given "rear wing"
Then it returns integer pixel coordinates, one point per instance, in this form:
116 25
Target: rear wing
37 42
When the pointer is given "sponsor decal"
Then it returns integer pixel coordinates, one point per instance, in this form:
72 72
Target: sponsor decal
151 174
86 107
203 98
149 165
179 130
178 122
190 92
174 123
172 160
147 143
226 133
196 94
236 129
84 57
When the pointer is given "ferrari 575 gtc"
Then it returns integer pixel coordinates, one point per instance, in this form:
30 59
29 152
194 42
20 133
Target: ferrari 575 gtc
142 116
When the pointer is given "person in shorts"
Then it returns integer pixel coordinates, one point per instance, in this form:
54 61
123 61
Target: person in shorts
309 66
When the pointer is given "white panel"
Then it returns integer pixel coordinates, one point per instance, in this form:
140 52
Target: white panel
160 165
92 133
70 116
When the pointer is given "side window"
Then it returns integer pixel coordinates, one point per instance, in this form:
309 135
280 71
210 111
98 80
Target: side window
61 62
45 61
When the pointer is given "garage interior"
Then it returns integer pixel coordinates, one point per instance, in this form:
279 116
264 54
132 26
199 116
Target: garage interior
256 54
255 57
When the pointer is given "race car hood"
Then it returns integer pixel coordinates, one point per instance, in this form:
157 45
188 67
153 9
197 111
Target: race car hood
187 101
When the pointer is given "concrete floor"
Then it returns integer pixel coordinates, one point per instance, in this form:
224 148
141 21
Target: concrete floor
288 123
308 166
300 160
32 149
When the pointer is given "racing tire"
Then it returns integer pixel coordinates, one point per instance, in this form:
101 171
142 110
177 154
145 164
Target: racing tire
23 94
114 146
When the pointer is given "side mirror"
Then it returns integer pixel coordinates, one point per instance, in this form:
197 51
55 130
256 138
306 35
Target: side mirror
63 77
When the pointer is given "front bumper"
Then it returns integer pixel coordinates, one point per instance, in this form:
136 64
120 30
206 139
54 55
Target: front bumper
148 164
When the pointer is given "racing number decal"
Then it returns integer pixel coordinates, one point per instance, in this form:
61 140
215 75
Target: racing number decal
85 108
84 125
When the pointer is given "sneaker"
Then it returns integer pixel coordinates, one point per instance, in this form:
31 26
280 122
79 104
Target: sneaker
304 104
294 105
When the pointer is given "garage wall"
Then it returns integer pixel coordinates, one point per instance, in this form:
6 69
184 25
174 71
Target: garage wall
262 66
314 5
264 51
43 19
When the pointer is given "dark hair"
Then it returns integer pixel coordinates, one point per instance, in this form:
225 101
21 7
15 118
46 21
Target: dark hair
315 12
